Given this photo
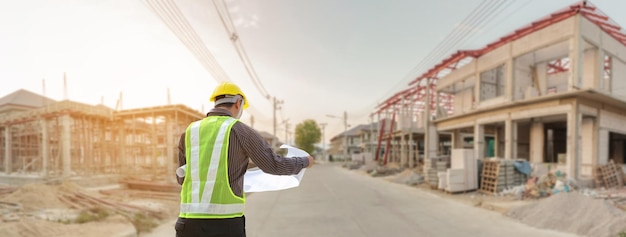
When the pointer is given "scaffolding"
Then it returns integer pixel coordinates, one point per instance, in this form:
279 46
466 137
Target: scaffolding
68 138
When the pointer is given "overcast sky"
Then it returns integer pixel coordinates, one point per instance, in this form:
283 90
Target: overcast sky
319 56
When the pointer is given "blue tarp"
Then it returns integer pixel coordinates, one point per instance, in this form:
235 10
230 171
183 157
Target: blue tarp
523 166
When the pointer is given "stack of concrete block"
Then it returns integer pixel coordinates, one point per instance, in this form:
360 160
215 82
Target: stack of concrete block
431 169
500 174
463 172
505 178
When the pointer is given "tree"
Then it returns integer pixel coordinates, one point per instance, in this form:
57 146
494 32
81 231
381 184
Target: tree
307 134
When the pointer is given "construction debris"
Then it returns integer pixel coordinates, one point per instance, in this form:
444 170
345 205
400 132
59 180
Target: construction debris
384 171
575 213
172 196
500 174
150 185
610 176
408 177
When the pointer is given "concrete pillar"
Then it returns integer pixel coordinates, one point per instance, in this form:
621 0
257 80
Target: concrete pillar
537 142
411 151
603 147
575 56
44 146
456 139
479 141
431 138
510 139
7 150
588 139
573 142
403 152
509 78
431 143
66 145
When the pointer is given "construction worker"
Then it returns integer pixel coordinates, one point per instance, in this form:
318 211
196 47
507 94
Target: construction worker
216 151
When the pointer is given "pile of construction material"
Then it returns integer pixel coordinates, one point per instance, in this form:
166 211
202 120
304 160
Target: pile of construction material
408 176
432 168
463 173
610 176
499 174
389 169
548 185
574 213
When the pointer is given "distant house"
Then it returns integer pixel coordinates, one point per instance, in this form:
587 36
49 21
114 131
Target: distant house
360 139
269 138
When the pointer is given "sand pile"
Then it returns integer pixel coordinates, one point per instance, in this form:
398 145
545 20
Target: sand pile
40 196
407 176
112 226
574 213
35 196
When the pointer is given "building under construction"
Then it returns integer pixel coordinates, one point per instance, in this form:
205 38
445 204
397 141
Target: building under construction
42 139
552 92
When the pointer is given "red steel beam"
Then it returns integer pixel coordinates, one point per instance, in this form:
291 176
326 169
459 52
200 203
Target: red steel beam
393 121
380 138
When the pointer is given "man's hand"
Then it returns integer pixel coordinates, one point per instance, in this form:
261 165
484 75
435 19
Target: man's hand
311 161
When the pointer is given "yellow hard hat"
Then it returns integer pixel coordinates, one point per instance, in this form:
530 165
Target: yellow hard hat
229 88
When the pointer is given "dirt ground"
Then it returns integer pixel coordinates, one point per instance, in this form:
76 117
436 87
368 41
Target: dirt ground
39 210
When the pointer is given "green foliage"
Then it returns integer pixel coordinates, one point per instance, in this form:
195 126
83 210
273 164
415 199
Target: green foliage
144 223
622 234
93 214
307 134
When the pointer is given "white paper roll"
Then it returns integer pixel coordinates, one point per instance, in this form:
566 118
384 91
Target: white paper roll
180 172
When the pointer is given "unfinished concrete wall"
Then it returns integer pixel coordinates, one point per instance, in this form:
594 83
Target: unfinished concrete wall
537 142
494 58
618 79
590 68
609 122
463 101
522 78
554 33
556 83
592 33
462 73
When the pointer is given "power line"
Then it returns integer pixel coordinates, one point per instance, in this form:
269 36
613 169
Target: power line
476 18
170 14
234 38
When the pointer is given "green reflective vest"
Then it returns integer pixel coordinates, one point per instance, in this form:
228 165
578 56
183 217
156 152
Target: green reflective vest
206 192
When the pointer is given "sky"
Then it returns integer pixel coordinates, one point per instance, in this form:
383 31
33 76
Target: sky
320 57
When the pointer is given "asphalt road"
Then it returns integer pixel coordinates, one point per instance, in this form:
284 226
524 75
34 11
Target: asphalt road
332 201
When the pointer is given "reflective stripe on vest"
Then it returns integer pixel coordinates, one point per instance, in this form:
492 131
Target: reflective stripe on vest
226 203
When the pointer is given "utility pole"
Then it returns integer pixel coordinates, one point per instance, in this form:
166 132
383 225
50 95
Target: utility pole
323 125
345 135
169 98
286 131
277 105
64 86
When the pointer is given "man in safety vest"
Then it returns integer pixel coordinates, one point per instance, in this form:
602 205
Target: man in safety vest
216 151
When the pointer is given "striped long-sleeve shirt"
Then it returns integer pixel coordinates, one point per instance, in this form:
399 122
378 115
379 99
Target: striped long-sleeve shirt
244 144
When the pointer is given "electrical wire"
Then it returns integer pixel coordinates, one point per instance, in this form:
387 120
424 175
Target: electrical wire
476 19
173 18
234 38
